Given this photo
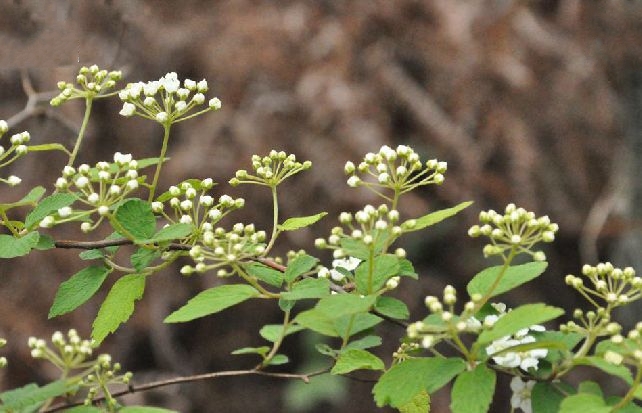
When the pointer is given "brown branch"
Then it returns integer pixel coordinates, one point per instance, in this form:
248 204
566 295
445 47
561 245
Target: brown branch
197 377
33 100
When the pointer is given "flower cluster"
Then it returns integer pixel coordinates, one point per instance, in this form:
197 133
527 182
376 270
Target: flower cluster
516 231
165 101
371 226
97 188
615 286
191 204
93 82
625 350
399 169
222 248
521 398
270 170
15 151
103 374
67 353
342 270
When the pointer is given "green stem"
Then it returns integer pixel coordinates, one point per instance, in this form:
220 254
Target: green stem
347 336
370 269
495 283
7 223
161 159
277 343
631 393
83 127
275 220
253 282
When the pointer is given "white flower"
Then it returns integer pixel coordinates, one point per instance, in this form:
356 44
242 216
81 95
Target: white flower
149 101
186 219
151 88
350 263
202 86
521 398
157 206
336 275
82 182
132 184
4 126
215 103
180 105
47 222
13 180
122 159
198 98
61 183
161 116
206 200
103 210
93 198
64 212
170 82
189 84
21 149
85 227
128 109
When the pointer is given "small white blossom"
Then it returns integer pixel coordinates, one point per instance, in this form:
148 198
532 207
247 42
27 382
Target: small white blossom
215 103
13 180
128 109
64 212
521 398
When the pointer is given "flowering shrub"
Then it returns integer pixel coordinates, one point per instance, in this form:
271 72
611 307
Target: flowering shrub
463 341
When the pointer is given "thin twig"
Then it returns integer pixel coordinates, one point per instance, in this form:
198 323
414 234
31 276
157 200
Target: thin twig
197 377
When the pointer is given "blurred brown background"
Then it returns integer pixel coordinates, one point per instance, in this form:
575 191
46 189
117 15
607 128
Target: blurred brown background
532 102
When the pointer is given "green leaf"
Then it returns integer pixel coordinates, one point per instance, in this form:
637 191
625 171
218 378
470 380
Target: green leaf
135 218
308 288
83 409
47 206
339 305
351 325
45 242
609 368
278 360
590 387
47 147
392 308
118 306
630 407
264 273
420 403
292 224
143 257
262 351
514 277
582 403
355 248
384 267
145 409
406 269
521 317
356 359
316 321
473 390
11 247
272 332
169 233
299 266
363 343
399 385
32 395
79 288
212 301
30 199
438 216
91 255
546 397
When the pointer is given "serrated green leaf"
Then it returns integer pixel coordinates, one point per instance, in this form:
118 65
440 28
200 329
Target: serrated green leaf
513 277
356 359
353 324
79 288
399 385
546 397
47 206
118 306
169 233
518 318
370 280
143 257
438 216
30 199
308 288
32 395
135 218
420 403
145 409
582 403
212 301
392 307
262 351
272 332
292 224
630 407
339 305
264 273
473 390
316 321
406 269
11 247
299 266
363 343
355 248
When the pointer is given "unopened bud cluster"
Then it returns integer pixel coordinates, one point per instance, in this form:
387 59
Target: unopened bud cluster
597 323
103 374
399 169
191 203
372 226
221 248
97 188
270 170
517 230
165 100
67 352
93 82
613 285
17 149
